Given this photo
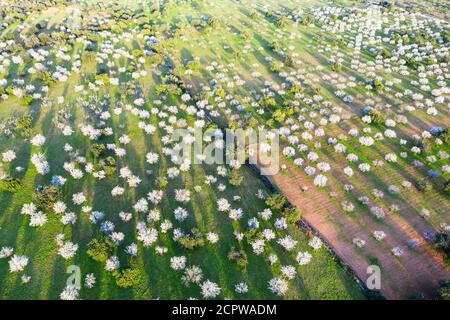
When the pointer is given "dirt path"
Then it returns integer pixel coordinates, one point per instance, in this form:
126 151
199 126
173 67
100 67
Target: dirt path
416 271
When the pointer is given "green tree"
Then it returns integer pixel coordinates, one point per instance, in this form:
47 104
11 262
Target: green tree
235 178
128 278
238 256
100 249
276 201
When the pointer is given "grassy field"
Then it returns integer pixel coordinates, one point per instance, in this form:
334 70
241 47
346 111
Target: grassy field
322 278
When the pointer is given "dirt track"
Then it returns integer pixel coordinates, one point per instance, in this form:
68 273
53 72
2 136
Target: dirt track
417 271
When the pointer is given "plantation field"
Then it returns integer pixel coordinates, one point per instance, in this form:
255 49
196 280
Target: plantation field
93 91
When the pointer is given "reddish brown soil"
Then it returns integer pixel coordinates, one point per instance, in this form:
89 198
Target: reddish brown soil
416 271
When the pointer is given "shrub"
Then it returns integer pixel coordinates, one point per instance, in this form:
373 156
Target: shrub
281 21
424 185
46 198
251 234
276 201
445 136
274 45
288 60
100 249
268 102
444 290
137 53
292 214
128 278
161 89
46 78
295 89
156 58
376 116
26 100
102 77
447 187
412 63
10 184
235 178
275 66
162 182
384 53
192 240
108 165
443 243
238 256
377 85
279 115
307 20
336 66
97 149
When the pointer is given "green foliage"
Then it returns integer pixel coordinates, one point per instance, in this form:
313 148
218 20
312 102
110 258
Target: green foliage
108 165
102 77
98 149
307 20
444 290
174 89
26 100
377 117
288 60
192 240
443 243
10 184
295 89
46 198
412 63
267 102
447 187
336 66
276 201
445 136
424 185
100 249
279 115
245 34
291 214
220 92
162 182
23 126
274 45
156 58
161 89
137 53
235 178
128 278
275 66
383 53
238 256
46 78
281 21
253 123
251 234
193 65
377 85
212 22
